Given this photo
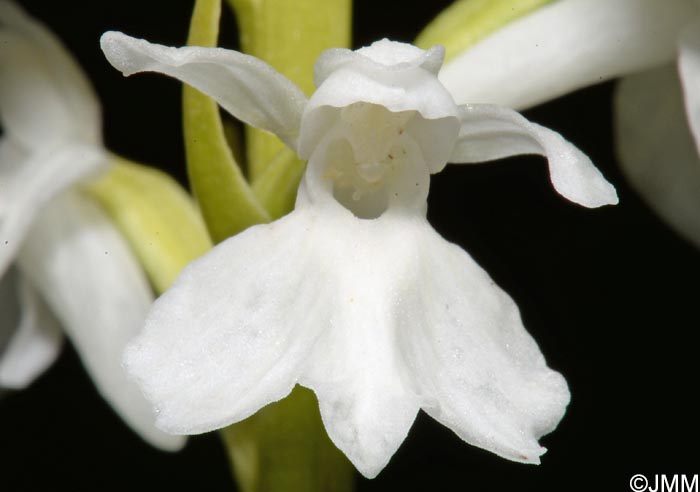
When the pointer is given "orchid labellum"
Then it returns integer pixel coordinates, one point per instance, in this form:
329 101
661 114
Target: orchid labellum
354 294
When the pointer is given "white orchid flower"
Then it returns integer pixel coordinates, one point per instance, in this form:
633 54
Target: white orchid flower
574 43
353 294
72 267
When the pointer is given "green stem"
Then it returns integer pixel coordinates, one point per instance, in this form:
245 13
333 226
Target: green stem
276 187
289 35
227 201
284 448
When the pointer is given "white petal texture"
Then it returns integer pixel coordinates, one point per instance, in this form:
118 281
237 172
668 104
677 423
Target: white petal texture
90 279
29 182
247 346
399 80
493 132
246 87
353 294
37 72
474 366
656 149
67 248
368 338
565 46
50 120
34 335
570 44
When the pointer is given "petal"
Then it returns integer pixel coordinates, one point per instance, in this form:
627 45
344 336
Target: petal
565 46
492 132
36 341
232 332
655 148
300 300
396 76
382 54
89 277
356 368
25 86
689 68
476 368
29 183
364 403
38 72
248 88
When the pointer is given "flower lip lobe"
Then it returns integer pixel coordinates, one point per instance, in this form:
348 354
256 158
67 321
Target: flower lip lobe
356 308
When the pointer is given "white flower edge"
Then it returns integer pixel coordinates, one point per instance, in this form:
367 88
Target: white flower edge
31 181
217 72
375 339
89 278
370 314
243 85
43 153
493 132
35 337
565 46
38 71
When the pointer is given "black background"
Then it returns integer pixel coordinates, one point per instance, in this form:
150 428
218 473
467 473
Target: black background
610 294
